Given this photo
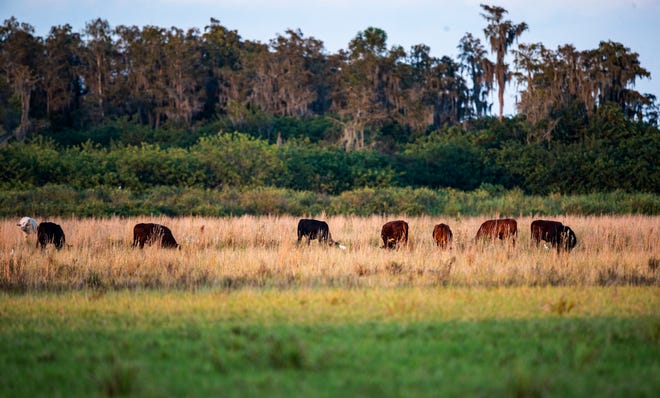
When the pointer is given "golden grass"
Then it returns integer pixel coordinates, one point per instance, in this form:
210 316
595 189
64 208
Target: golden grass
329 306
261 251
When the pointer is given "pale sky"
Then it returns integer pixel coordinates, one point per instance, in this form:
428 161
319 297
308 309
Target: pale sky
439 24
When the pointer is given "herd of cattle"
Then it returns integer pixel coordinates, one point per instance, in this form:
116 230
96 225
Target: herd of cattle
393 233
560 236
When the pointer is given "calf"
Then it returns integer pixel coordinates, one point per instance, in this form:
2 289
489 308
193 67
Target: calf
504 228
394 234
48 232
442 235
150 233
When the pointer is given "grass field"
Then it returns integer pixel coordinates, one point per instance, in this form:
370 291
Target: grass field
262 252
521 341
241 310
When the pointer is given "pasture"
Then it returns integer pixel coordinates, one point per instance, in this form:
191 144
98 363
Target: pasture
241 310
516 341
262 252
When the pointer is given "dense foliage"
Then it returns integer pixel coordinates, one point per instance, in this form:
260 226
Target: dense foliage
144 109
622 156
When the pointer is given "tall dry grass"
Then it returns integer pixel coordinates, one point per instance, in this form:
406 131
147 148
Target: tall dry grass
253 251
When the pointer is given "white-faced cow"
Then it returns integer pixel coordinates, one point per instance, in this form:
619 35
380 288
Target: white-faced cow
48 232
150 233
28 226
315 229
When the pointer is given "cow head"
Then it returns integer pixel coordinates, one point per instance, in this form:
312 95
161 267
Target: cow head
391 243
28 226
568 238
335 243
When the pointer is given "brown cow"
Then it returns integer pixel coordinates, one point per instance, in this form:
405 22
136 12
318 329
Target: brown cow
442 235
557 234
394 233
153 233
503 228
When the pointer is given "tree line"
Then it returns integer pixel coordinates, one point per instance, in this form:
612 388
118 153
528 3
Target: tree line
375 95
149 109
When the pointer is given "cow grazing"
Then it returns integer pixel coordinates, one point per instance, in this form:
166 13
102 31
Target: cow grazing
394 233
557 234
28 226
150 233
442 235
48 232
545 230
315 229
504 228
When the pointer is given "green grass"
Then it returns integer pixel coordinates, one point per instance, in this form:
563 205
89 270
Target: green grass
333 342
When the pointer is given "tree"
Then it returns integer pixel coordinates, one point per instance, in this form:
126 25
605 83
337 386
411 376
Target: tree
566 86
615 70
181 59
221 57
61 70
20 56
359 97
140 70
449 92
501 35
480 70
537 72
297 60
99 61
416 109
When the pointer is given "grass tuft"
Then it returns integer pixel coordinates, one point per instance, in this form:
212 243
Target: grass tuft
562 306
120 380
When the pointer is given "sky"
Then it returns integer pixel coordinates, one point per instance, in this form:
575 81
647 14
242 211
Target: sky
439 24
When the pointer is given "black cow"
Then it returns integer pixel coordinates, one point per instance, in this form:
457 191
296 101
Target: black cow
315 229
557 234
48 232
150 233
